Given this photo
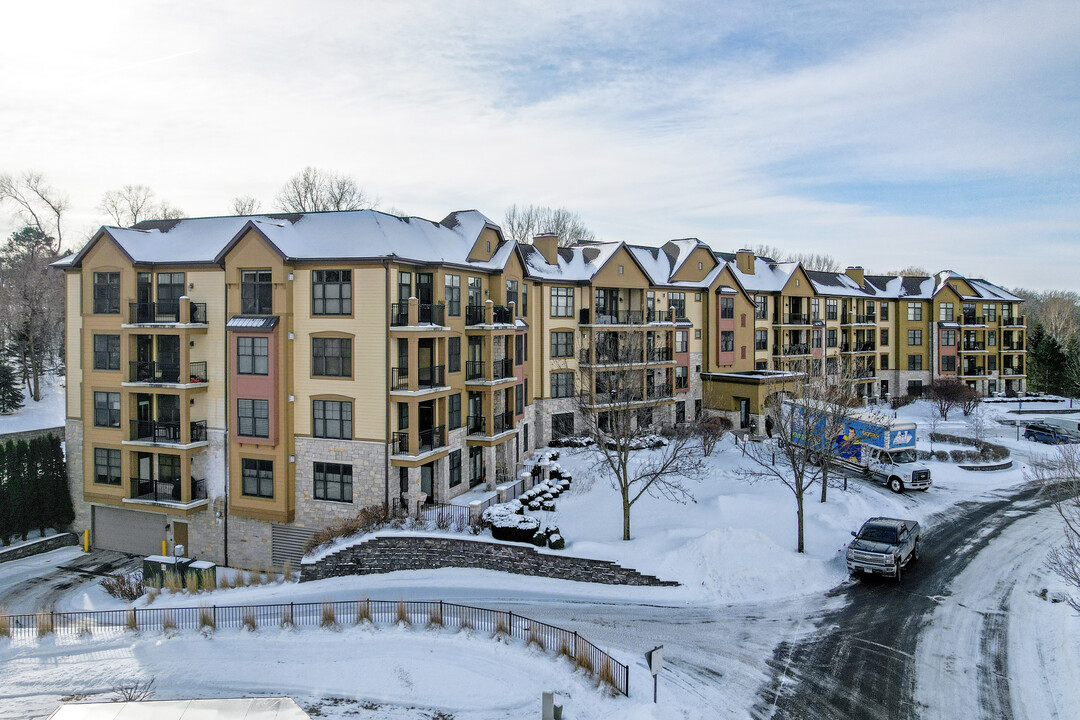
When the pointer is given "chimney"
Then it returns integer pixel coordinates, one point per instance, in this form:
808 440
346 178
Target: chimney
855 272
744 260
548 245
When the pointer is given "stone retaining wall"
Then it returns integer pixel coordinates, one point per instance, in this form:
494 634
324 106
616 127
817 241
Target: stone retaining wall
34 548
391 553
31 434
988 468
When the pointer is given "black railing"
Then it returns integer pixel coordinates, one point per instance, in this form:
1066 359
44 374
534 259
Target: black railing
400 443
972 346
792 349
973 371
502 369
858 347
663 390
169 491
476 424
660 316
661 354
155 372
430 314
618 317
1013 321
432 438
399 378
399 314
503 421
1012 371
474 315
336 614
142 313
432 376
797 319
855 319
973 319
500 315
861 373
474 370
166 432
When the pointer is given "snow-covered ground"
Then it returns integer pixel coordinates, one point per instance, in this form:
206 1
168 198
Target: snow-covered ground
48 413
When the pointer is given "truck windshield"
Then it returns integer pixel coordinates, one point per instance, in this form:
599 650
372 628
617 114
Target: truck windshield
877 533
903 456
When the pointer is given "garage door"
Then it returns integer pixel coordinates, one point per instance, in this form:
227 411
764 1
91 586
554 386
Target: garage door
128 531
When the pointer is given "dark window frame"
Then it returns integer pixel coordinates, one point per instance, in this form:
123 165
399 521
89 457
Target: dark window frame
248 360
254 474
321 281
106 293
562 302
328 475
326 351
322 420
562 384
107 412
247 409
256 292
108 357
108 465
562 343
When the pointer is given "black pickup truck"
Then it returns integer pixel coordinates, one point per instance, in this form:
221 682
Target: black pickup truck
884 546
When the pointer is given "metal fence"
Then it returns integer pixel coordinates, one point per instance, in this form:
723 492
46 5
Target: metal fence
434 613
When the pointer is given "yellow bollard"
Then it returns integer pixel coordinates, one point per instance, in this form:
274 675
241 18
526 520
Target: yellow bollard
163 552
86 540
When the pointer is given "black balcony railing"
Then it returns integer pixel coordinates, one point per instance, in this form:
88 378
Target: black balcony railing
400 443
399 378
865 346
503 421
973 346
476 424
474 370
500 315
797 319
658 316
861 373
857 319
157 431
474 314
432 438
973 371
155 372
502 369
973 319
660 354
1017 321
431 376
168 491
141 313
399 314
1012 371
605 316
663 390
792 349
430 314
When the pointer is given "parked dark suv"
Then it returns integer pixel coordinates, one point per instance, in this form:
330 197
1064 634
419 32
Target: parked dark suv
1041 432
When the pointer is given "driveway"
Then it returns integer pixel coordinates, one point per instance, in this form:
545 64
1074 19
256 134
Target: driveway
40 581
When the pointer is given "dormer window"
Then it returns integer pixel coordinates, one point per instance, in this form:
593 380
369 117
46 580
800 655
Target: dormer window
256 292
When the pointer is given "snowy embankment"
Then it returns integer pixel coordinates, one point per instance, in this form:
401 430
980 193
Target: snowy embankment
49 412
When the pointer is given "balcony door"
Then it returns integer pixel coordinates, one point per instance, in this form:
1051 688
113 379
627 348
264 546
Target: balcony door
169 290
144 358
168 415
168 355
425 412
425 288
427 482
144 296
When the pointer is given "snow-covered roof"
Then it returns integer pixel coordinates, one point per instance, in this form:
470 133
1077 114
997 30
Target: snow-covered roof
575 264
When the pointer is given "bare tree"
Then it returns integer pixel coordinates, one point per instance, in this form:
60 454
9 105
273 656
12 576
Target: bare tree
946 394
933 422
1059 475
806 428
969 400
132 204
38 204
980 424
909 271
620 399
245 205
522 224
809 260
315 190
712 429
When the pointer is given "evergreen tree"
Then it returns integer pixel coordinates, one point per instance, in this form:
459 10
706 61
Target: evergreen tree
1047 362
17 454
39 501
11 396
61 509
5 501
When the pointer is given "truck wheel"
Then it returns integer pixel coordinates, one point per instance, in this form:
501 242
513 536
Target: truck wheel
896 485
898 572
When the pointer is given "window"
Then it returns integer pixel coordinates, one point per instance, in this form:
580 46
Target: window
914 311
948 338
697 334
455 468
914 337
254 417
107 409
455 411
727 341
519 400
332 419
106 293
170 288
945 312
331 357
333 481
830 308
562 425
680 411
969 311
682 339
404 286
991 363
252 355
761 307
816 338
562 384
884 365
256 292
761 339
677 301
519 349
402 416
525 345
815 309
830 337
562 344
727 308
107 466
106 352
990 311
914 387
948 363
562 302
512 293
682 377
452 286
331 292
453 354
527 400
884 311
914 362
257 477
991 338
884 335
524 300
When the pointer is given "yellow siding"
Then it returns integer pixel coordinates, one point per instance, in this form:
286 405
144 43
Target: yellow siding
73 339
209 288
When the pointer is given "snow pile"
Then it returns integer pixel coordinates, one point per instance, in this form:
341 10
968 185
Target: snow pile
48 413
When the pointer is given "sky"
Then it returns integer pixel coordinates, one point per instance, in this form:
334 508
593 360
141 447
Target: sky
944 135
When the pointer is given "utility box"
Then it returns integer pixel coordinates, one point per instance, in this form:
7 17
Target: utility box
155 567
205 574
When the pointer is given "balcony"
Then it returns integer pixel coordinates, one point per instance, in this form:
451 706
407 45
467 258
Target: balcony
155 373
796 319
660 355
426 314
477 315
973 371
474 370
504 421
792 349
431 377
429 440
155 313
972 320
166 433
502 369
855 319
1013 347
663 390
476 425
862 374
1012 371
169 492
860 347
660 316
1017 321
973 346
614 316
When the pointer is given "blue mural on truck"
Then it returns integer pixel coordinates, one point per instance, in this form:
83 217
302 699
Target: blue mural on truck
810 431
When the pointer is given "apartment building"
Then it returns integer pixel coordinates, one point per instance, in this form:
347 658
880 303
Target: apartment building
235 383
